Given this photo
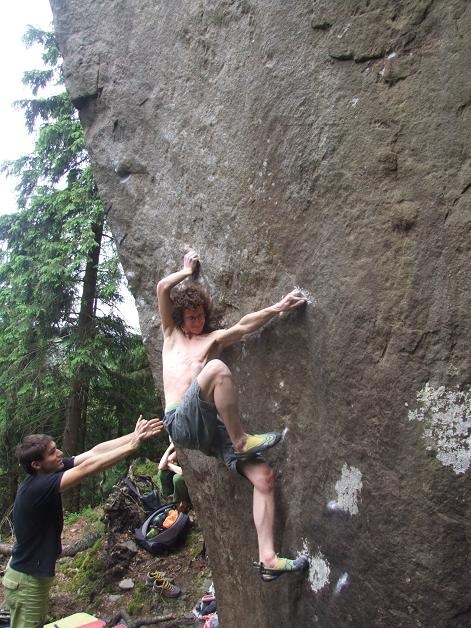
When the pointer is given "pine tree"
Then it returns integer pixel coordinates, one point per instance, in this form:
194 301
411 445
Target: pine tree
61 343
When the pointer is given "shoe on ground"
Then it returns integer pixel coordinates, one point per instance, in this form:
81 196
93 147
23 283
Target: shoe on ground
257 443
166 588
282 566
152 576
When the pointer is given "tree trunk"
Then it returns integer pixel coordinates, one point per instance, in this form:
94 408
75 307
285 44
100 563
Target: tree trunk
75 421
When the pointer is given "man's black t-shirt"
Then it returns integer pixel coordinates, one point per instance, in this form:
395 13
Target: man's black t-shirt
38 522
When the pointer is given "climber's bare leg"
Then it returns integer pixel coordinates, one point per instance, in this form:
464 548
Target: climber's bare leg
263 479
215 381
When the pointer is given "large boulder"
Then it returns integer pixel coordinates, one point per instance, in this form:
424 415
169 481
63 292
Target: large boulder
324 145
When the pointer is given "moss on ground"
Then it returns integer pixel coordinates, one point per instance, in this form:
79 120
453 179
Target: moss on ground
84 572
194 542
139 599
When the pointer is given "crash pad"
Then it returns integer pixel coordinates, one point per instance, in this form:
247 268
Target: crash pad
78 620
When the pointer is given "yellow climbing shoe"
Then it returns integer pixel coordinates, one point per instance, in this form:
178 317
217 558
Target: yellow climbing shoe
281 566
257 443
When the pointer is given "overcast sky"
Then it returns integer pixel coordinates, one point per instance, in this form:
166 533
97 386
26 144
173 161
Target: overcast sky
16 59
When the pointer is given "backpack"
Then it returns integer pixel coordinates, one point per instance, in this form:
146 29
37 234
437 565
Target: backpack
164 540
151 501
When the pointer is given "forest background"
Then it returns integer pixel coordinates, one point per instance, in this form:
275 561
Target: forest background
70 365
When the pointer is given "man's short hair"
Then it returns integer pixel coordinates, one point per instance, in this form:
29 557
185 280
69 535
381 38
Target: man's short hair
32 449
189 298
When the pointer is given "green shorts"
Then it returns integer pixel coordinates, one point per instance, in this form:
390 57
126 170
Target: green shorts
26 597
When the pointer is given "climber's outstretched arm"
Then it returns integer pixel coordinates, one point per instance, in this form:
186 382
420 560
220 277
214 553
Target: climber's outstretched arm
255 320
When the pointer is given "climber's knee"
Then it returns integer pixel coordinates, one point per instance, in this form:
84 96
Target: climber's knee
261 475
212 375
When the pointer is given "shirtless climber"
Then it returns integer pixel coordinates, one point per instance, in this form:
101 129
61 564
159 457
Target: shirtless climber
201 405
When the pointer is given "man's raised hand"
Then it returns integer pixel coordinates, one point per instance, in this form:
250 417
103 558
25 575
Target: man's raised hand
291 301
146 429
191 261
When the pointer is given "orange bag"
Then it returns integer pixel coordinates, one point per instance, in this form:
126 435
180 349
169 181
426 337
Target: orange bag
170 519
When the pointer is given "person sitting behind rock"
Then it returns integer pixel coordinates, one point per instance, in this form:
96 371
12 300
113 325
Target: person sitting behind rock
170 477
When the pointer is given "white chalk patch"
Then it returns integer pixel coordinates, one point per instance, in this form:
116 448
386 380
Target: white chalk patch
282 384
348 489
355 102
319 569
310 300
446 415
392 55
342 582
340 35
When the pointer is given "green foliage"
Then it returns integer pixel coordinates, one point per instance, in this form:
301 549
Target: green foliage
48 341
92 517
146 467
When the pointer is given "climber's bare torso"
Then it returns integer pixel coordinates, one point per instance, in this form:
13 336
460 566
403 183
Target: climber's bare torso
183 359
187 347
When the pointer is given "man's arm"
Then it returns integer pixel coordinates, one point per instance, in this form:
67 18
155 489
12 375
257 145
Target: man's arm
255 320
105 459
165 285
110 445
163 464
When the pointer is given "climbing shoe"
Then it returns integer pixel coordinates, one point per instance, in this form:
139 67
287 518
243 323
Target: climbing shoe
256 443
152 576
166 588
282 565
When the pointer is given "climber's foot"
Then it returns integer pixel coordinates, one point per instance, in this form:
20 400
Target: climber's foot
281 566
257 443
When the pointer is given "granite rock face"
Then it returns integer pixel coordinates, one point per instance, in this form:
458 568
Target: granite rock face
324 145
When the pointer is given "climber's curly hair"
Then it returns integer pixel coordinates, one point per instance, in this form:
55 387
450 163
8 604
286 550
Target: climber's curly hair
188 298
